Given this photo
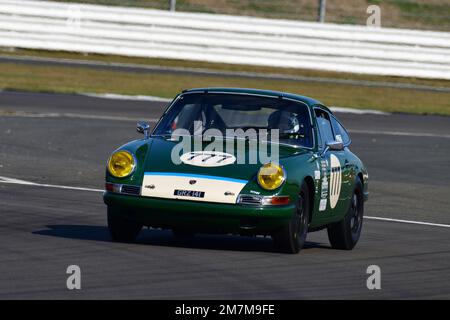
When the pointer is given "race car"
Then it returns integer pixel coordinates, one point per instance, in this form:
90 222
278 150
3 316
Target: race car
239 161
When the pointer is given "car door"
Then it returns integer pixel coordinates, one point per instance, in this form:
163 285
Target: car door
332 192
348 174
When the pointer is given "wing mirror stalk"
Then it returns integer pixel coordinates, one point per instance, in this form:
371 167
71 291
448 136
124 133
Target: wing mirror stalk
144 128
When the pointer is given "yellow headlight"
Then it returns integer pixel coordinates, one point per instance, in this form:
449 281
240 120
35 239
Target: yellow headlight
271 176
121 164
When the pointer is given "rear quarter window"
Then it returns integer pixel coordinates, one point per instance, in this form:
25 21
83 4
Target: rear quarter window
340 133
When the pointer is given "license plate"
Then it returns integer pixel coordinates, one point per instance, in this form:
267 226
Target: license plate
189 193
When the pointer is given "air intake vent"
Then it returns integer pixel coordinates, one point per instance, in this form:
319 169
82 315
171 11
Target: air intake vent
132 190
249 199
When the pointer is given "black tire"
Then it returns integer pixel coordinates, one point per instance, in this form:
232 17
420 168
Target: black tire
121 228
345 234
292 237
183 234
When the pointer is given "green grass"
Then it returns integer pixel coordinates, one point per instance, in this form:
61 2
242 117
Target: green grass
67 79
432 13
222 66
71 80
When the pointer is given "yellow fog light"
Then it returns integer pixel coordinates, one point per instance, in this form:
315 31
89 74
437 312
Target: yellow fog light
121 164
271 176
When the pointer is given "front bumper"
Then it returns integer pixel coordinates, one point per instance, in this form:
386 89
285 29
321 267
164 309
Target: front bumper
211 217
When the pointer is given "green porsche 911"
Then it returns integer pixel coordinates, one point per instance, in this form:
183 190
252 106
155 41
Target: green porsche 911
239 161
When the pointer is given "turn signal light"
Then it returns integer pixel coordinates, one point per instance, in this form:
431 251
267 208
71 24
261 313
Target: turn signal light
283 200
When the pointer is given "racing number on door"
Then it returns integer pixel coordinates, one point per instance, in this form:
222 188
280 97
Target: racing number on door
331 164
335 180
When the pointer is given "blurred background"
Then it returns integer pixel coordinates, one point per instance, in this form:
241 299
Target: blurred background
415 14
317 48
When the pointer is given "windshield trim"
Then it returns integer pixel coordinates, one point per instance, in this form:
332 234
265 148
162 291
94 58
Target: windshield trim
246 94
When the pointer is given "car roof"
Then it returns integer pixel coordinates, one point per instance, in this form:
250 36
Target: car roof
307 100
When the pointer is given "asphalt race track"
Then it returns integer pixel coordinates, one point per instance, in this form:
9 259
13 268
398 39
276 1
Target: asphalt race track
64 140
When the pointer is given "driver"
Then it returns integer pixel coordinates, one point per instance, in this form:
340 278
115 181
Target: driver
290 125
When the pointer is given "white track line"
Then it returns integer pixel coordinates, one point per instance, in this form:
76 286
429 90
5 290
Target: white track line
160 99
28 183
409 221
402 133
23 114
358 111
125 97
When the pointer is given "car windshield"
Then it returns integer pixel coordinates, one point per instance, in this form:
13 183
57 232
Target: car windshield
198 112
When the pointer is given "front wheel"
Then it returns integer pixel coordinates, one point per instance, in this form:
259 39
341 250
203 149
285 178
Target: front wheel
292 237
121 228
345 234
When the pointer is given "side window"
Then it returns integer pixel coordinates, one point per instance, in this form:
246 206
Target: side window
324 126
340 134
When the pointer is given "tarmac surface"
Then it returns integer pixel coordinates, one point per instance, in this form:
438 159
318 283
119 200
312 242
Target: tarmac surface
64 140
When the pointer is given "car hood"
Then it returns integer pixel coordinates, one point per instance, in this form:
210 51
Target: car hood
218 179
160 158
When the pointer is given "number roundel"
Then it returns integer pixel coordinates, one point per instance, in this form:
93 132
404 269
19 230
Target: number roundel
335 180
208 158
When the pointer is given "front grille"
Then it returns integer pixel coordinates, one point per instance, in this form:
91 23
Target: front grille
132 190
249 199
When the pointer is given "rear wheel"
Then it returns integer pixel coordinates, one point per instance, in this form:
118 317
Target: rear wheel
121 228
292 237
345 234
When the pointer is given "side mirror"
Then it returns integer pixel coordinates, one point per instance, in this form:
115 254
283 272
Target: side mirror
144 128
333 146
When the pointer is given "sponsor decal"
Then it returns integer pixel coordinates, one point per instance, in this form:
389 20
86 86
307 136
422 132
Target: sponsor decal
324 190
323 204
317 175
